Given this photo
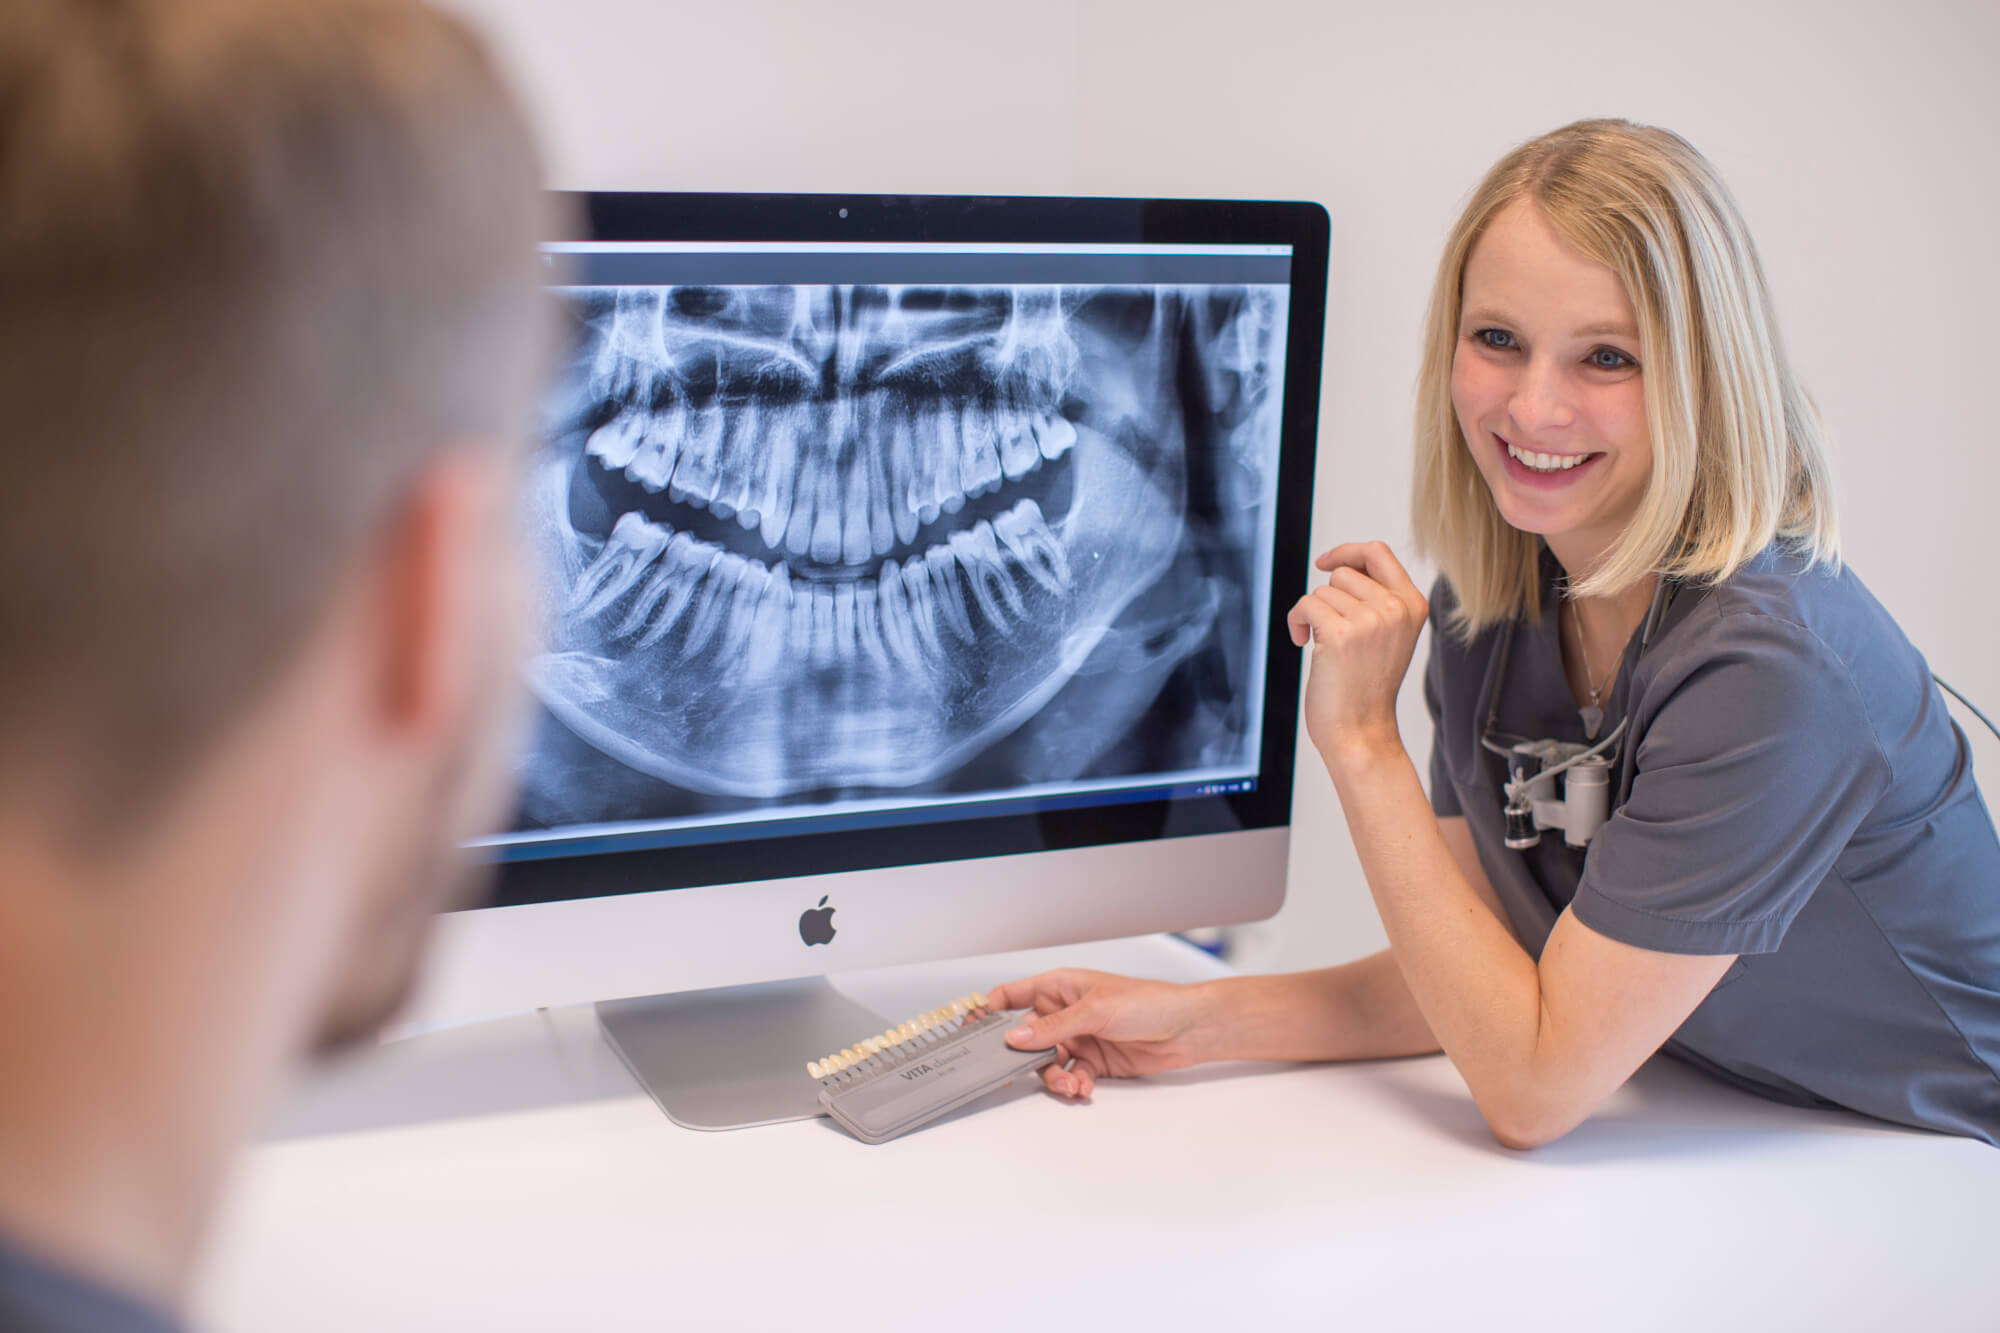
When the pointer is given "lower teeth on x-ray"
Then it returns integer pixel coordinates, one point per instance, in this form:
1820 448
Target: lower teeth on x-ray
813 545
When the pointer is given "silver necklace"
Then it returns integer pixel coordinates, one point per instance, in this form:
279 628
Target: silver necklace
1593 712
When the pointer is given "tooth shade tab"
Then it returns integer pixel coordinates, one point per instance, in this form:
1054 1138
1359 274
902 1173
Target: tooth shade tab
958 1054
937 1022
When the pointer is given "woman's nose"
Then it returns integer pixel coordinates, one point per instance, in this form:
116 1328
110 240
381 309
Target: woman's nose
1541 399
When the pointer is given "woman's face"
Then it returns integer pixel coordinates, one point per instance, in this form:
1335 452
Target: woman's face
1546 384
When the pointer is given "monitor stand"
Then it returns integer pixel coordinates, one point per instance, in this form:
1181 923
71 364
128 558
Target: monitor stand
734 1056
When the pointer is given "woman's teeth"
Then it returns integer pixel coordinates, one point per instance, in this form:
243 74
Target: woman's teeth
1545 462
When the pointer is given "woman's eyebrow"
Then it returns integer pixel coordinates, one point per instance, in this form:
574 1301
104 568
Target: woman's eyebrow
1486 315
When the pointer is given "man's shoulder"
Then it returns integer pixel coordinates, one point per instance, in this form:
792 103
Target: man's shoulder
38 1297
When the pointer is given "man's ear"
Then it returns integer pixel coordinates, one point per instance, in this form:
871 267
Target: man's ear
431 590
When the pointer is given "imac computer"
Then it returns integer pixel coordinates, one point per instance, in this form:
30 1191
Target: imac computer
914 574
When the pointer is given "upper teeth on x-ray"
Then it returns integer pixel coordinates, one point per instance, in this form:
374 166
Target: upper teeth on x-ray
817 542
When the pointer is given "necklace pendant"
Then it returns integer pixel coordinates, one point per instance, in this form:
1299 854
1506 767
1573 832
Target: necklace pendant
1593 720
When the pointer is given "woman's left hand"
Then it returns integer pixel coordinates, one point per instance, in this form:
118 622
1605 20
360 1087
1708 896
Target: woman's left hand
1363 625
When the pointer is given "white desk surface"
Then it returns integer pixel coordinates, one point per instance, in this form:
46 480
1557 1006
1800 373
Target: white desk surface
511 1176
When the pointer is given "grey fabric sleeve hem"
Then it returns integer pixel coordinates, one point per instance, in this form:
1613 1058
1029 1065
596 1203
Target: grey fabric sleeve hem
1665 934
1444 795
1444 798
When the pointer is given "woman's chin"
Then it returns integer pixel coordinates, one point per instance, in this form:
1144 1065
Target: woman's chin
1537 520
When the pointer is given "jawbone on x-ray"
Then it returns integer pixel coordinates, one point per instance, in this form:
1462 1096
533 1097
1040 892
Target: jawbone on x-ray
808 542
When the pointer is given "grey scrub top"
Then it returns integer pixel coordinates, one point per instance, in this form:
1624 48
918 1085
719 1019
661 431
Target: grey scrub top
1797 795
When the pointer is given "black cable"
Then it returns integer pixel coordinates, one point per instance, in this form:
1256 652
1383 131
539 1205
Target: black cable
1967 702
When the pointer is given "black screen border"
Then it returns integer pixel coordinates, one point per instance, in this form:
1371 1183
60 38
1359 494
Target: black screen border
1304 226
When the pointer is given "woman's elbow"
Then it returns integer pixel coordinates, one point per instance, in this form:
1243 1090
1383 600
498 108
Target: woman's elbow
1527 1122
1521 1137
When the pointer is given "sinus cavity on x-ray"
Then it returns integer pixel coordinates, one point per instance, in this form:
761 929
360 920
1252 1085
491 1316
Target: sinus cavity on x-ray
826 548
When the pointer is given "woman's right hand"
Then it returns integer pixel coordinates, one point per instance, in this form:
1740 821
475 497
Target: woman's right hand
1106 1026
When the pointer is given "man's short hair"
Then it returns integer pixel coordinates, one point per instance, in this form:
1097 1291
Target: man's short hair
259 259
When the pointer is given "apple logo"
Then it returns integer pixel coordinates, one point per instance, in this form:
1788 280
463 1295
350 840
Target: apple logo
816 924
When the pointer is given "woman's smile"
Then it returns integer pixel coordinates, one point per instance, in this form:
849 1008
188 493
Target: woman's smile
1547 470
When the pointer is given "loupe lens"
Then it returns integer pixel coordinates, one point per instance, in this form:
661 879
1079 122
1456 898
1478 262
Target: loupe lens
1521 831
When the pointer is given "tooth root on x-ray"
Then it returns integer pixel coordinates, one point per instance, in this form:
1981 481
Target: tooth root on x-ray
945 593
879 466
777 461
902 511
737 590
855 544
947 480
728 675
755 586
799 532
770 627
898 630
741 433
712 607
979 458
1026 534
927 458
868 625
845 639
799 633
882 529
955 483
825 645
632 545
693 481
915 578
826 523
682 575
653 460
986 571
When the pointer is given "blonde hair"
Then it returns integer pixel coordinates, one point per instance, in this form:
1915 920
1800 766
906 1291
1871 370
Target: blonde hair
1739 453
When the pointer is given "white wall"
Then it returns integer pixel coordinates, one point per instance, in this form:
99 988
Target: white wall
1862 141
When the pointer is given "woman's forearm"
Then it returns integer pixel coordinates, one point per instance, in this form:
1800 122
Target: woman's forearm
1478 990
1361 1010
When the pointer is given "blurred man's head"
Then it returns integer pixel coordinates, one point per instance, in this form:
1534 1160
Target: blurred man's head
270 332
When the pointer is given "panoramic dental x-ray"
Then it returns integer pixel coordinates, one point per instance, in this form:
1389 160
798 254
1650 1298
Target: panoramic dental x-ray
808 546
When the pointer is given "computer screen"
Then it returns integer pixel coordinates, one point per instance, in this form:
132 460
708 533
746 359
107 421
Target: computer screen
922 559
871 535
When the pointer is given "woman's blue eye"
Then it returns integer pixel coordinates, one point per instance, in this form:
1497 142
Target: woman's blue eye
1498 339
1610 358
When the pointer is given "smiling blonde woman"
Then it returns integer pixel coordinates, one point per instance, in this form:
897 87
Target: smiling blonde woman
1775 863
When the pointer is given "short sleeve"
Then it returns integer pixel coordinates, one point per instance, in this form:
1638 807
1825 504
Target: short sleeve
1444 796
1755 764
